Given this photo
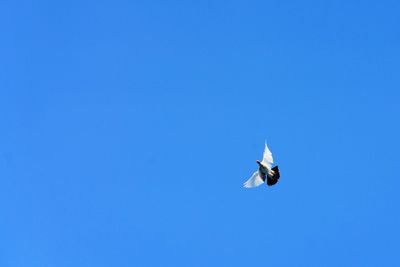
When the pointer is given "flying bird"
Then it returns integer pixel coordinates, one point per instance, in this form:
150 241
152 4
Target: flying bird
264 171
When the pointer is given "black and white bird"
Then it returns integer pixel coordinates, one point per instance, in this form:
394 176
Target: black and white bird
264 171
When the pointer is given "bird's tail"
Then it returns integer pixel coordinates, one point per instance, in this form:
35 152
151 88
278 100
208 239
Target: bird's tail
273 179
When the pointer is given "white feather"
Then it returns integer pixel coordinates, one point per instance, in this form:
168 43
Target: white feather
255 180
267 157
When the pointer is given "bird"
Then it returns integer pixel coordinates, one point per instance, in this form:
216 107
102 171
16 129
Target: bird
264 171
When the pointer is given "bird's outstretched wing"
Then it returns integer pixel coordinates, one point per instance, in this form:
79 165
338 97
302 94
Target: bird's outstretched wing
267 157
255 180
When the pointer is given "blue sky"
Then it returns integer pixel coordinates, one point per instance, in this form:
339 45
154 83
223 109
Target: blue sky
128 127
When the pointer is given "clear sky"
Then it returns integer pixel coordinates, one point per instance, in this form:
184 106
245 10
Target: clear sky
127 129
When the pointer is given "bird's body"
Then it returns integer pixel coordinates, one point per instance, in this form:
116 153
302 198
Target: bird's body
264 172
263 169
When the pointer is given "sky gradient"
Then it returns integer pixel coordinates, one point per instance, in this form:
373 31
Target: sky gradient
127 129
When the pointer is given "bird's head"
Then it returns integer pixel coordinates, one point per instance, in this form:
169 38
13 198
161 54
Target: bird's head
258 162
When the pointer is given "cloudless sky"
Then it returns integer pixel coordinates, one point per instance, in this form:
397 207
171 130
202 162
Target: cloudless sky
127 129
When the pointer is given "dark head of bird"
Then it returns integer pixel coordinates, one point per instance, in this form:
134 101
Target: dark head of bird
258 162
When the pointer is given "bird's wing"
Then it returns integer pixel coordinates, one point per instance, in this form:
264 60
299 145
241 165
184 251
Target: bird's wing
267 157
255 180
